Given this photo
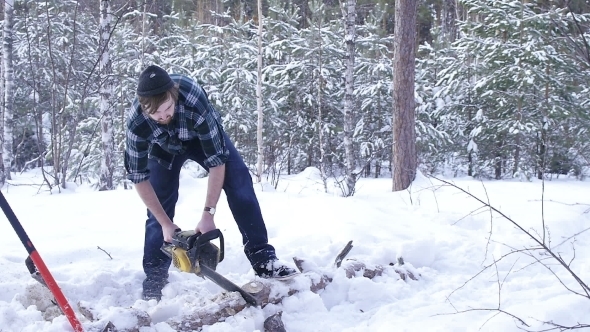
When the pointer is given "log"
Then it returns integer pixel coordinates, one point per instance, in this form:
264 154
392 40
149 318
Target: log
274 323
142 318
39 295
258 290
352 267
228 304
221 306
110 327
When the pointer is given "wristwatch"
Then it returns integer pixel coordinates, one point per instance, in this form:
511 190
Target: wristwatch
209 209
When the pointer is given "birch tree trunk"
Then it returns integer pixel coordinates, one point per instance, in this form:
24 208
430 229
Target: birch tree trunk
259 99
106 90
2 85
350 17
319 101
404 117
7 155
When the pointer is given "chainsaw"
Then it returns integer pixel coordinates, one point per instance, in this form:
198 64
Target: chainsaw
194 253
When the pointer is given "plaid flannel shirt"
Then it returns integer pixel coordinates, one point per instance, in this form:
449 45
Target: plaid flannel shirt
194 118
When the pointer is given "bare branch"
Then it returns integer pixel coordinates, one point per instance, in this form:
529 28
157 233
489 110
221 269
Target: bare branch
491 220
483 270
498 310
343 254
468 214
568 204
574 255
101 249
580 282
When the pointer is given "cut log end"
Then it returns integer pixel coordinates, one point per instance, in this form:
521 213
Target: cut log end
109 328
274 323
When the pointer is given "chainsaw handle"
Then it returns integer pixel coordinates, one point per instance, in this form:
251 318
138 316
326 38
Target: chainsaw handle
211 235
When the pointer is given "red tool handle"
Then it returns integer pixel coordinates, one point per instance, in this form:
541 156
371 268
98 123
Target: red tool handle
43 270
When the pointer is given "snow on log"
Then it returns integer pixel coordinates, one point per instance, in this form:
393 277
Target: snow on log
227 304
118 319
354 268
219 308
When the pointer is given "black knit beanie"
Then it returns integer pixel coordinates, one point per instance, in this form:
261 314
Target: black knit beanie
153 81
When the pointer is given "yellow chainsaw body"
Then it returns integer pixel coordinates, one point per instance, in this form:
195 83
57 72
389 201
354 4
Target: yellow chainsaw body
180 260
185 260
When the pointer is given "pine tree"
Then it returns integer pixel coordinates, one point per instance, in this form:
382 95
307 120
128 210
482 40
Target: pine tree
513 88
374 93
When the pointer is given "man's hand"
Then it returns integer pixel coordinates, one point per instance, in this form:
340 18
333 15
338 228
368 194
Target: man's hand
206 224
169 230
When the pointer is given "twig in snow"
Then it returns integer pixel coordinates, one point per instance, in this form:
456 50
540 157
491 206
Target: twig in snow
343 254
101 249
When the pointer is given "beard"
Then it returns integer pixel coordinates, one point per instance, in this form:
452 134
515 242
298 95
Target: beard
166 121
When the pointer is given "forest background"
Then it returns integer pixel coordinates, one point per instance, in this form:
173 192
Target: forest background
500 86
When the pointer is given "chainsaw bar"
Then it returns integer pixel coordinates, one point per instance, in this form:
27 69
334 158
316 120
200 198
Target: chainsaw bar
226 284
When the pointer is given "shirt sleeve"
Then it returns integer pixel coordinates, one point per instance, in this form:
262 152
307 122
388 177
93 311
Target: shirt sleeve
210 132
136 158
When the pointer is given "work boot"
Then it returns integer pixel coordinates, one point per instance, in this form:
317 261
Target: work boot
152 289
274 269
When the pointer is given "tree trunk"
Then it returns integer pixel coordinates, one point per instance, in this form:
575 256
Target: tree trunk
519 112
518 138
259 128
319 102
449 25
2 88
350 17
404 132
161 8
541 146
69 123
8 87
498 160
143 34
106 90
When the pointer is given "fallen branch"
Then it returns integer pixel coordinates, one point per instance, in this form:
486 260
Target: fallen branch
494 309
543 246
99 248
343 254
581 283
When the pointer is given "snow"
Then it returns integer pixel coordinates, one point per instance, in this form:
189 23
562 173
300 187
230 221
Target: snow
441 234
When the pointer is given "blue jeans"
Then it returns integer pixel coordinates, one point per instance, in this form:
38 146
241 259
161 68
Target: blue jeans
241 199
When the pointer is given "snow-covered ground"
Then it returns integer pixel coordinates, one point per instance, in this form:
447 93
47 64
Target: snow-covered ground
92 243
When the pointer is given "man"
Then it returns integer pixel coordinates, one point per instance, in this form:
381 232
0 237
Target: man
172 121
